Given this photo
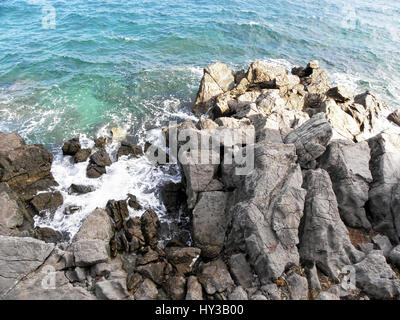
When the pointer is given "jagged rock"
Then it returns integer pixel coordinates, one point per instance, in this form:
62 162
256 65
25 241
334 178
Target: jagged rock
298 286
376 278
194 289
94 171
383 243
173 196
71 209
47 201
268 76
183 259
366 247
133 281
71 147
177 287
100 158
80 189
150 224
97 226
215 277
210 221
18 258
348 166
238 294
118 211
146 291
76 275
267 215
100 142
216 80
88 252
47 235
314 284
129 149
327 296
384 194
206 124
82 155
9 142
154 271
340 93
395 117
241 270
394 256
102 270
149 256
111 289
316 83
310 139
133 203
271 291
324 237
12 212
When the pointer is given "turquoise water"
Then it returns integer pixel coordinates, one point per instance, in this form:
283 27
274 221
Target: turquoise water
136 64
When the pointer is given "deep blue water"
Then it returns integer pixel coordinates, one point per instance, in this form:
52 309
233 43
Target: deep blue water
135 64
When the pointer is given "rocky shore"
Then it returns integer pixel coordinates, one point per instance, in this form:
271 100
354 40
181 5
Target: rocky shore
317 217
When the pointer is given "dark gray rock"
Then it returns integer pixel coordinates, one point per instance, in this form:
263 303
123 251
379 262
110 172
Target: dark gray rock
394 256
241 270
177 287
80 189
184 259
129 149
82 155
71 147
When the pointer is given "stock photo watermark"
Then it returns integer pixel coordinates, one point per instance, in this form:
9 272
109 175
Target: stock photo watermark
48 14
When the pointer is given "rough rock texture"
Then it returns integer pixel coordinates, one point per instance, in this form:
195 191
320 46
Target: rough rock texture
88 252
82 155
310 139
376 278
129 149
98 163
238 294
241 270
146 291
194 289
348 166
47 201
111 289
97 226
298 286
327 296
71 147
324 237
215 277
183 259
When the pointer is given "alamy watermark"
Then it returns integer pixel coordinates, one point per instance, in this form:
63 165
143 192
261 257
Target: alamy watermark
48 13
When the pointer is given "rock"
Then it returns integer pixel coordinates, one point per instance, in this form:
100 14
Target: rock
183 259
314 284
238 294
111 290
366 247
82 155
268 75
206 124
150 256
118 134
216 80
271 291
12 212
97 226
100 142
215 277
327 296
129 262
133 203
177 287
258 297
100 158
71 147
194 289
241 270
340 94
395 117
383 243
324 239
316 83
146 291
10 142
134 281
18 258
71 210
47 201
150 224
298 286
80 189
210 222
129 149
310 139
348 166
394 256
118 211
47 235
76 275
88 252
153 271
376 278
173 196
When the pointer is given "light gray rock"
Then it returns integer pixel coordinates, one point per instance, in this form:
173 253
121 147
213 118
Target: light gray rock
76 275
298 286
310 139
366 247
394 256
383 243
241 270
271 291
97 226
238 294
194 289
340 93
111 289
215 277
88 252
146 291
348 166
258 297
324 238
327 296
210 221
267 213
12 211
313 280
18 258
376 278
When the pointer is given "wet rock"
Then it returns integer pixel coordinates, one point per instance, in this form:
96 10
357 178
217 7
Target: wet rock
82 155
88 252
100 142
238 294
340 93
80 189
118 211
71 147
97 226
94 171
146 291
215 277
71 210
177 287
47 201
310 139
183 259
194 289
383 243
130 150
348 166
153 271
241 270
133 203
150 224
324 238
395 117
47 235
10 141
111 290
376 278
19 257
100 158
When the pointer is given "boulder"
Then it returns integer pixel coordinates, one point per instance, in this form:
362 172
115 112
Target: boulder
47 201
383 243
71 147
153 271
324 238
118 211
150 224
9 142
80 189
215 277
375 277
241 270
298 286
111 289
146 291
340 93
395 117
129 149
194 290
82 155
97 226
348 166
268 76
327 296
184 259
47 235
173 196
394 256
238 294
88 252
100 158
310 139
